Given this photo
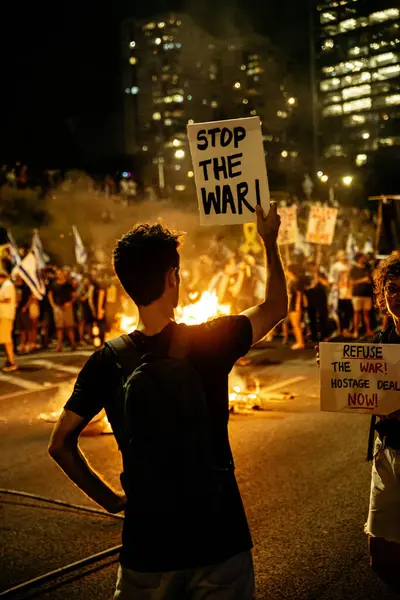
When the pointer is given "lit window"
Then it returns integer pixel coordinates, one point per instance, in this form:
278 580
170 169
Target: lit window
157 41
161 25
243 67
284 153
386 73
348 25
383 59
386 141
334 150
384 15
214 104
393 99
356 105
133 60
282 114
253 112
190 97
190 122
357 119
356 92
190 174
180 187
356 79
294 154
365 135
245 101
358 51
167 122
176 143
292 101
329 84
157 116
144 148
180 154
167 99
361 159
328 17
330 29
328 44
132 44
332 110
237 85
177 98
127 90
204 101
134 90
149 26
332 98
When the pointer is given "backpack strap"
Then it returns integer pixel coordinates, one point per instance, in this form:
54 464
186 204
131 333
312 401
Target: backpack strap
180 343
127 355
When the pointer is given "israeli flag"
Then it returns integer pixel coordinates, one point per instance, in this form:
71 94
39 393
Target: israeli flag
80 251
368 247
13 248
37 249
28 269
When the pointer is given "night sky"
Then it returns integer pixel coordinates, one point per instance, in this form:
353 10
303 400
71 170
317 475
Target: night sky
60 65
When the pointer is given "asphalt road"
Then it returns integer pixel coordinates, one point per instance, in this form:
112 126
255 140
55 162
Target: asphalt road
302 474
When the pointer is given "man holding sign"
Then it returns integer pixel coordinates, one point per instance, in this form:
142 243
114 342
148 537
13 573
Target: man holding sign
185 532
365 378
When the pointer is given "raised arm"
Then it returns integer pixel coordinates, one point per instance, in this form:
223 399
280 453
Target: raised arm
268 314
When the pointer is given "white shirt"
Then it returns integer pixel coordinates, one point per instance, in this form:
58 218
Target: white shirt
8 309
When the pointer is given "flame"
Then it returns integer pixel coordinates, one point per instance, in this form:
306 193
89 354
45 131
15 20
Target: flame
125 323
208 307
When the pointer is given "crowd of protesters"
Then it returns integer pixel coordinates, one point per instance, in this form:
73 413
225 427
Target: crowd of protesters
74 306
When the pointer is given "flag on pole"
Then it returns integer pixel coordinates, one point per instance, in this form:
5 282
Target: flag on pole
13 248
80 251
29 271
368 247
37 249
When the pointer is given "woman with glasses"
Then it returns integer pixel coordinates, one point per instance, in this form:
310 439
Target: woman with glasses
383 524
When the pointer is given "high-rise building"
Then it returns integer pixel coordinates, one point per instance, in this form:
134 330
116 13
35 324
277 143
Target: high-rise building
175 73
358 79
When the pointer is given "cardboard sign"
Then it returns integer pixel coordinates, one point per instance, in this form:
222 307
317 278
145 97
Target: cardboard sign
321 225
288 228
360 378
229 170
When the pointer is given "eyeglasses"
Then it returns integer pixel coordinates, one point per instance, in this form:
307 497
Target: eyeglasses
392 290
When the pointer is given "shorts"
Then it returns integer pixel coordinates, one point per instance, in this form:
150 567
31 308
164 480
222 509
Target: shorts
6 328
64 317
362 303
34 311
384 505
232 579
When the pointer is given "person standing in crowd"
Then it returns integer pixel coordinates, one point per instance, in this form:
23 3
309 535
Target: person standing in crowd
23 322
340 278
8 307
97 304
34 315
185 531
112 303
296 297
61 298
83 312
316 291
361 280
383 523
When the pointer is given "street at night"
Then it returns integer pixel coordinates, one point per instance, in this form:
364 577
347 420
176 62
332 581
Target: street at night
302 474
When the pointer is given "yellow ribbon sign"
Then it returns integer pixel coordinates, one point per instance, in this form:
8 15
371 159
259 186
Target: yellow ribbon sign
251 243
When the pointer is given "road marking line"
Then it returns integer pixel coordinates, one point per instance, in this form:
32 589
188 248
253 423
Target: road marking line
24 383
280 384
26 392
48 364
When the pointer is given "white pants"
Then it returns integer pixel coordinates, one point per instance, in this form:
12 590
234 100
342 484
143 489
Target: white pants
384 506
232 579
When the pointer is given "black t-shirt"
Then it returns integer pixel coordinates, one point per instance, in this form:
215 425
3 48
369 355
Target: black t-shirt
214 535
23 295
361 290
62 292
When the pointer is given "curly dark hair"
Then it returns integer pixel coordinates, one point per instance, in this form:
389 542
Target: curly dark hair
387 270
143 257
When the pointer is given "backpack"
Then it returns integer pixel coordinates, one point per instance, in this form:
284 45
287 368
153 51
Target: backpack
167 448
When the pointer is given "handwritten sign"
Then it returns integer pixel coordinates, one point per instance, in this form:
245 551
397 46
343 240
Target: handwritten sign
321 224
288 228
360 378
229 170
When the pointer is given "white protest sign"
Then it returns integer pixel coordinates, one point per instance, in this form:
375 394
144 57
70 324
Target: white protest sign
288 228
321 224
361 378
229 170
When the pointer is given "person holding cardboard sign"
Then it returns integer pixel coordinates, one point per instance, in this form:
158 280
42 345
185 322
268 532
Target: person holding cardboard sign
185 532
